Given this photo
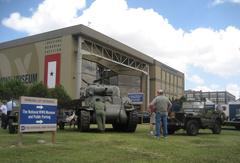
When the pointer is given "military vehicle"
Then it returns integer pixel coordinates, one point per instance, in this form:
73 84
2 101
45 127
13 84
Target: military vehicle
13 121
195 115
232 111
65 117
61 119
119 110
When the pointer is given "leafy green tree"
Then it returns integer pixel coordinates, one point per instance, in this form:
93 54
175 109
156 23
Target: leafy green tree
2 91
12 89
38 90
59 93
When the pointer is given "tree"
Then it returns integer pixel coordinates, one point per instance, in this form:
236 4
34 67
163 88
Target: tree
12 89
38 90
2 91
59 93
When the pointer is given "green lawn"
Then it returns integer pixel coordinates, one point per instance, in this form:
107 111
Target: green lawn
73 146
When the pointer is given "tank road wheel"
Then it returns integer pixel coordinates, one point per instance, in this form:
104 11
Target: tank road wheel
192 127
237 127
171 131
117 126
216 127
84 121
132 121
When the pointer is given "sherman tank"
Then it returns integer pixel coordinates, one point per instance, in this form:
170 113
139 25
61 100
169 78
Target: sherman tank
120 112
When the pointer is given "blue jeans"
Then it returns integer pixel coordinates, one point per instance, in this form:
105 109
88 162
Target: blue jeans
161 119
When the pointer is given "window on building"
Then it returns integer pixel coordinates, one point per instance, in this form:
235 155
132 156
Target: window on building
163 75
180 82
175 81
167 77
213 95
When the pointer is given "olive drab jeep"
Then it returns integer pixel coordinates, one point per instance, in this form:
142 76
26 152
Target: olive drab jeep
119 110
195 115
13 120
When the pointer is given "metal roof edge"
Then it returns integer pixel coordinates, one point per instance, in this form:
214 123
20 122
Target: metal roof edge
76 30
167 67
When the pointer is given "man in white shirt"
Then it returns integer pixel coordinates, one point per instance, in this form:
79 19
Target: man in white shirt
10 105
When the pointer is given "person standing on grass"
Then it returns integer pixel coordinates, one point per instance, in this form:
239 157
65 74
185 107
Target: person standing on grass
4 118
152 110
152 123
10 105
163 105
100 109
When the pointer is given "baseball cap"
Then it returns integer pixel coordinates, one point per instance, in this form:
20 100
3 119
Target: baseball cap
160 91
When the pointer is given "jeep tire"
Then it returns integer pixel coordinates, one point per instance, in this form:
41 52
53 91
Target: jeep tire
11 128
216 127
192 127
61 125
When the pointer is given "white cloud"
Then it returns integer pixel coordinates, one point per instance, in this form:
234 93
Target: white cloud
217 2
203 88
216 52
234 89
196 79
50 14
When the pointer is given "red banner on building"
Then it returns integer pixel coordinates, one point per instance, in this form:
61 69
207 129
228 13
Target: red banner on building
52 70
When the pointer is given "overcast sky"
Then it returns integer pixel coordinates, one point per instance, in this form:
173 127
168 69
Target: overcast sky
198 37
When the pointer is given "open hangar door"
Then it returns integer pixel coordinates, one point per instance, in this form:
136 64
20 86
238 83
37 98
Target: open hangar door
118 63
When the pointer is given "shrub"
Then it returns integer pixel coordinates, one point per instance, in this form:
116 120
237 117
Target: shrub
12 89
59 93
38 90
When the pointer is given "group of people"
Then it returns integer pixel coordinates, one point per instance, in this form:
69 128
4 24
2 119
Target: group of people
5 109
159 108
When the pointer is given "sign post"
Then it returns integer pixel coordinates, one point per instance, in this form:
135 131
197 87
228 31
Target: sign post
37 115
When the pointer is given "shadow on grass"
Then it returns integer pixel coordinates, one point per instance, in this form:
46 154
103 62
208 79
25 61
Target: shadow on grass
230 129
185 134
92 130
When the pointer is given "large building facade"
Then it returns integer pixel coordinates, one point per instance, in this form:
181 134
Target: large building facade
218 97
166 78
78 55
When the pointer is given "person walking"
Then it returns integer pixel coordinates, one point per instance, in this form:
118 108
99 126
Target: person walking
162 104
100 109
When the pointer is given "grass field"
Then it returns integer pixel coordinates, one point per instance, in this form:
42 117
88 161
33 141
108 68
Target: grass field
73 146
